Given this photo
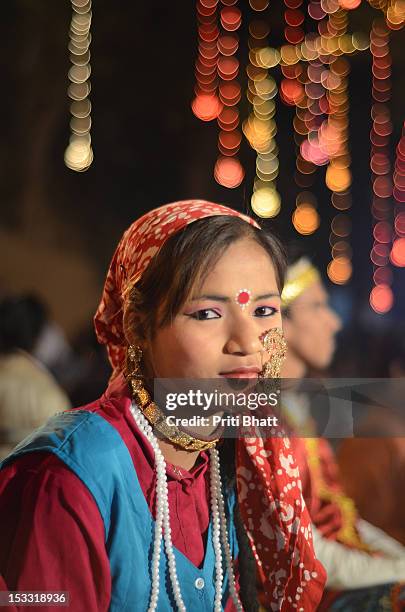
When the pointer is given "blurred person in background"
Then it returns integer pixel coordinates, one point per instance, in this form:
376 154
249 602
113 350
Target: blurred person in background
53 350
374 460
28 392
364 565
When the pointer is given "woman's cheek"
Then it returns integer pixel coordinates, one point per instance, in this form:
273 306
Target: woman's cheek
201 356
274 321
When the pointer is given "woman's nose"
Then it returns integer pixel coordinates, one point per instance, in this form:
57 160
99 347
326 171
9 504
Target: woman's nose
336 321
244 338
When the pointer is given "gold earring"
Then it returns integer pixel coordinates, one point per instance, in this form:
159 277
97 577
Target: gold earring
135 378
134 375
275 345
134 357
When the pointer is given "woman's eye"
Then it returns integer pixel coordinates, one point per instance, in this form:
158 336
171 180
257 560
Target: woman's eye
204 315
265 311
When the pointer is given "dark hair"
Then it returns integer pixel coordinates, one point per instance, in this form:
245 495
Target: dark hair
180 267
22 319
182 264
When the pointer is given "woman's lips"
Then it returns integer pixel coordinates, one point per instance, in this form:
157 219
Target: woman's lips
242 373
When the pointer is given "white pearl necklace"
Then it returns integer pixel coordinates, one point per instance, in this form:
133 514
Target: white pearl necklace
162 526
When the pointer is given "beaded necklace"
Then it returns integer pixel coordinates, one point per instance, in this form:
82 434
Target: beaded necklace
163 530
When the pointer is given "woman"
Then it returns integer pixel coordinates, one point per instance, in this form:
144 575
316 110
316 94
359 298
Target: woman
192 290
365 567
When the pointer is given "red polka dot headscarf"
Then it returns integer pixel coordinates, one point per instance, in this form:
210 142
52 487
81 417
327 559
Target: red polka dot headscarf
268 482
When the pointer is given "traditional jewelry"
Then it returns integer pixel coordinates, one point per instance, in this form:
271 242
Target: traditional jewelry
151 410
300 276
163 530
275 345
243 297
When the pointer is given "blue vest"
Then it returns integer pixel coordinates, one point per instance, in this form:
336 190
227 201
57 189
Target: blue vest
96 453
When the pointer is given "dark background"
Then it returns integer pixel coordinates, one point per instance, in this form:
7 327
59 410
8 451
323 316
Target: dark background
59 228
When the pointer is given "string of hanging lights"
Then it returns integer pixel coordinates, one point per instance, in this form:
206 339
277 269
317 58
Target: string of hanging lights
217 90
260 127
381 295
79 152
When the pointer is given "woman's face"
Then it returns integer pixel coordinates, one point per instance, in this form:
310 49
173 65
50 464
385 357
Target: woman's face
311 328
212 336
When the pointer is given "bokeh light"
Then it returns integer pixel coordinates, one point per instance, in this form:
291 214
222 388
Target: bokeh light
339 270
338 179
400 224
228 172
79 154
383 276
305 219
381 299
266 202
231 18
206 107
259 5
380 254
383 232
398 252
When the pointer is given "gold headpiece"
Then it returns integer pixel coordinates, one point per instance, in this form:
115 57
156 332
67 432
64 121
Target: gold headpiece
300 276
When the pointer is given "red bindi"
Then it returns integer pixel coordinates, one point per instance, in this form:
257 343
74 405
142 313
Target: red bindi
243 297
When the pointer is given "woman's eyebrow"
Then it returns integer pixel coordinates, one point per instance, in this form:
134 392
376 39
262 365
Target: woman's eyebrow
267 295
216 298
224 298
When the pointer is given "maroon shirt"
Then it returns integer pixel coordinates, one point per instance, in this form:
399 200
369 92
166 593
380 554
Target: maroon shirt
52 533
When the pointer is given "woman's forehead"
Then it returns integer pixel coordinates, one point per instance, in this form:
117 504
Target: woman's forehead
244 255
244 262
314 294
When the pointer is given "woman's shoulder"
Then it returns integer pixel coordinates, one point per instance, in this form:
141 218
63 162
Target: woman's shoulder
45 512
39 474
82 440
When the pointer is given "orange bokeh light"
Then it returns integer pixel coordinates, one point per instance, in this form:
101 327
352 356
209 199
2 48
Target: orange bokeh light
292 91
398 253
338 179
228 172
349 5
231 18
228 119
305 219
340 270
206 107
228 44
381 299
